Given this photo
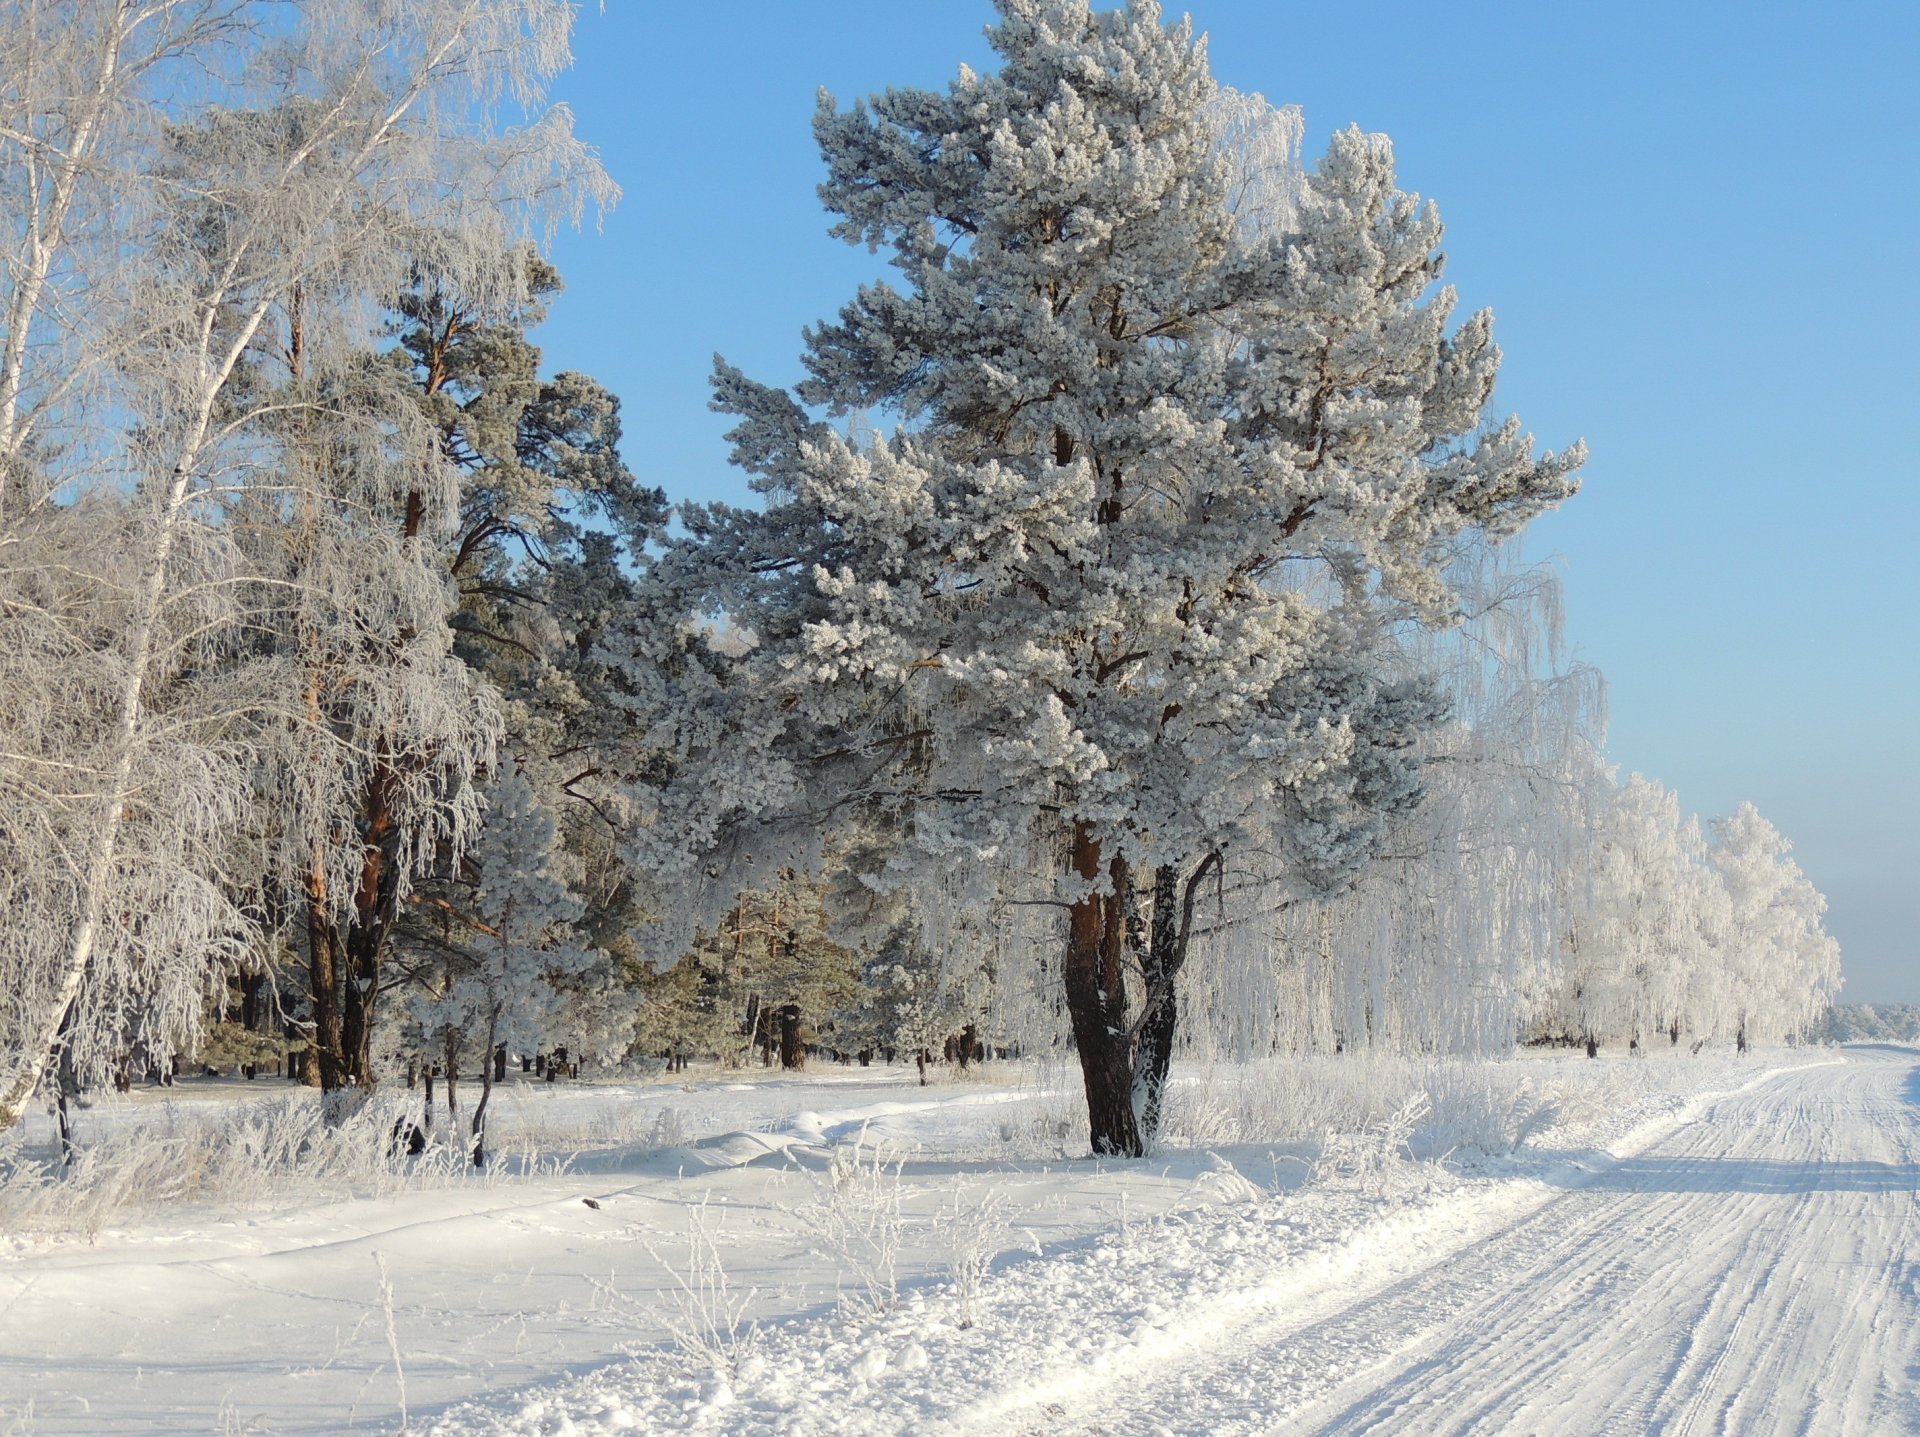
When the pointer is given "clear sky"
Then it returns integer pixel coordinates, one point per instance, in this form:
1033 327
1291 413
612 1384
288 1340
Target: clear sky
1696 224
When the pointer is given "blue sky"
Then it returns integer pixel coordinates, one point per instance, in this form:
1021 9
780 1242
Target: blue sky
1696 225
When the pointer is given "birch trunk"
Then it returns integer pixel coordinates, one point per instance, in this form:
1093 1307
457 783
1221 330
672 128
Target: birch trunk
141 659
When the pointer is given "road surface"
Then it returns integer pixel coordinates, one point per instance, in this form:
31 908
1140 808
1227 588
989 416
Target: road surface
1754 1272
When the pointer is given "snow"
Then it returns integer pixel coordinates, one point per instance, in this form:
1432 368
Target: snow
1705 1236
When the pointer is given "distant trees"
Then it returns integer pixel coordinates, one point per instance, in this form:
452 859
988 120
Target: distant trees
1673 938
768 976
1785 966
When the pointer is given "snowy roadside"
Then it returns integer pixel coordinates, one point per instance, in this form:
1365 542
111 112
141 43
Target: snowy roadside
998 1353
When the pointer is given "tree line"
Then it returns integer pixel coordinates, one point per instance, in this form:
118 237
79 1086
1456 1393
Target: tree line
1121 655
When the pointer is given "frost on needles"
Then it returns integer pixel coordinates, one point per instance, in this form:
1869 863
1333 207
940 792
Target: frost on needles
1106 612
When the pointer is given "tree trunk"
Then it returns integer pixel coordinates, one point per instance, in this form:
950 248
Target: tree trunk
753 1021
1096 993
488 1071
793 1053
66 1086
253 1013
453 1102
325 972
1166 954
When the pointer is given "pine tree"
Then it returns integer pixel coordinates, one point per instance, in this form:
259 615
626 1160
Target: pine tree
1062 607
502 982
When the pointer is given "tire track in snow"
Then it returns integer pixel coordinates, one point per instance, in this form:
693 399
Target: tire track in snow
1743 1274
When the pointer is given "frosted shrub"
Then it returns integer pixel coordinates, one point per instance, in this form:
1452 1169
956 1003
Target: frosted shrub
670 1130
1291 1101
1371 1157
709 1323
972 1231
1472 1107
856 1210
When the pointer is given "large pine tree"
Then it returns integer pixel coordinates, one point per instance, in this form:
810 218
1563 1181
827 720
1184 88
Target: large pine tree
1115 588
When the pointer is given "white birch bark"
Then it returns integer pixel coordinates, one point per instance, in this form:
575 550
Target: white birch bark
327 154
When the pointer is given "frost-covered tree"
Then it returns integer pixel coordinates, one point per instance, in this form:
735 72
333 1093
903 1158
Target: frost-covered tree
1782 967
1445 940
1672 936
1062 609
231 159
503 981
404 685
1643 923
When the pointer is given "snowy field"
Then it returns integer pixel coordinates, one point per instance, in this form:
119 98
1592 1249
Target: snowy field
1543 1245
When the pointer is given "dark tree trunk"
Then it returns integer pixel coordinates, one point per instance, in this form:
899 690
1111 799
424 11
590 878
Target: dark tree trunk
325 974
453 1101
1593 1046
752 1028
252 1009
793 1052
66 1084
344 965
489 1071
1096 993
372 922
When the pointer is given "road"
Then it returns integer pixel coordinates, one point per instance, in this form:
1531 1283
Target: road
1754 1272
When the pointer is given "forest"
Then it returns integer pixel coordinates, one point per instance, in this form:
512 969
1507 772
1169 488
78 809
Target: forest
1129 657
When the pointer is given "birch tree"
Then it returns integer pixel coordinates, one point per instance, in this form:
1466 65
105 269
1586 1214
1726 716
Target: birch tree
1053 608
248 160
1783 965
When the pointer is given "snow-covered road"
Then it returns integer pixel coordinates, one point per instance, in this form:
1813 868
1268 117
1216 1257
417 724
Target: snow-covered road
1754 1272
1672 1256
